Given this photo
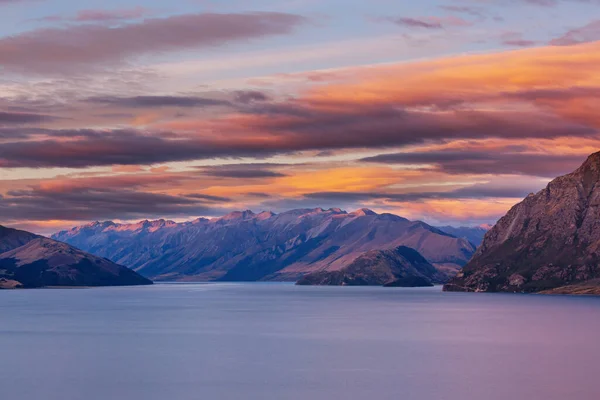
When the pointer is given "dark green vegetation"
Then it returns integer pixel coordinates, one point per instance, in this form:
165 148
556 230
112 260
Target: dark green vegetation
31 261
400 267
550 242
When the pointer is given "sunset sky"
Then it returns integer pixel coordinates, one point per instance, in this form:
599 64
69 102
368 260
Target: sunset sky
448 111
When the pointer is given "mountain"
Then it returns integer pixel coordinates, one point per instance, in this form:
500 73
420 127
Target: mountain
548 242
401 266
473 234
244 246
30 261
11 238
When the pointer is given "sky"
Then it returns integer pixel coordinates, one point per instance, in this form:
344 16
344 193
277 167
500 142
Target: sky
447 111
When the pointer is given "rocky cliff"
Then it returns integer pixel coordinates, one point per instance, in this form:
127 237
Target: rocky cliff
549 241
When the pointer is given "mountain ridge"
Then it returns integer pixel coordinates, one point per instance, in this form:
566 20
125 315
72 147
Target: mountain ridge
244 245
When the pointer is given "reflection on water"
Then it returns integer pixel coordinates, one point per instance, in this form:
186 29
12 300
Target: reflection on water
279 341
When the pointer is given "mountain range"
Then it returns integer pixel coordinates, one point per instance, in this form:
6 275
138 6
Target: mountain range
30 261
549 242
245 246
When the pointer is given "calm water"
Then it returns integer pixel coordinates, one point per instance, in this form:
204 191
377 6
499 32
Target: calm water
278 341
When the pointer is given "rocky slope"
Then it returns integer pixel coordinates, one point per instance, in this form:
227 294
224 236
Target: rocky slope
549 241
401 266
31 261
244 246
12 238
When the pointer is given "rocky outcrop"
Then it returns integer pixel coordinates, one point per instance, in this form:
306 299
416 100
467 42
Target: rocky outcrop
32 261
548 241
400 267
591 287
244 246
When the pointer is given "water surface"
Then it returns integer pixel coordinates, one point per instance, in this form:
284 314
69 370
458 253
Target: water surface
279 341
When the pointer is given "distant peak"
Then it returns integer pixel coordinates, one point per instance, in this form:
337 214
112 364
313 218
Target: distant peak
157 224
238 215
265 215
363 212
92 224
96 224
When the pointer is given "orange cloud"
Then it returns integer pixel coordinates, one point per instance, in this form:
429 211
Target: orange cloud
489 104
467 76
454 210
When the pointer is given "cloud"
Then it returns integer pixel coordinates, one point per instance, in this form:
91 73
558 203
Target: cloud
243 171
472 192
10 118
416 23
265 135
116 147
131 195
539 93
84 204
515 39
239 97
75 47
208 198
584 34
552 3
250 96
101 15
540 3
7 2
475 203
544 3
486 162
428 22
110 15
473 11
157 101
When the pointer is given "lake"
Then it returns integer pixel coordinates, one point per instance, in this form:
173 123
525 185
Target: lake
279 341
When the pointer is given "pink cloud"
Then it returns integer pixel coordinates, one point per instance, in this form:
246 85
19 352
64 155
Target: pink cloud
516 39
430 22
584 34
101 15
68 49
110 15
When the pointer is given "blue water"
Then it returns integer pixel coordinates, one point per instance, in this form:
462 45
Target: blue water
279 341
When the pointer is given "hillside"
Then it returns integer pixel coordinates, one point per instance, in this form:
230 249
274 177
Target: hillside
31 261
